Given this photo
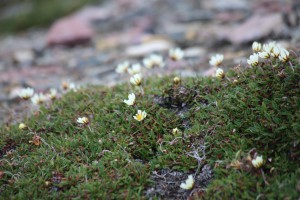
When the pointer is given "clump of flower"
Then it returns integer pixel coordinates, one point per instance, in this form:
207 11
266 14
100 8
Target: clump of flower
267 51
26 93
258 162
135 69
153 60
38 99
22 126
253 60
220 73
176 54
140 115
83 120
131 99
122 67
136 80
256 47
216 60
53 94
189 183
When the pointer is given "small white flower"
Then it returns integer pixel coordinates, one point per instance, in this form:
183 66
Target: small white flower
38 99
176 54
220 73
189 183
140 115
284 55
258 162
276 52
264 55
253 60
135 69
272 45
131 99
176 80
136 79
122 67
153 60
83 120
175 131
256 46
22 126
52 93
69 86
267 51
216 60
26 93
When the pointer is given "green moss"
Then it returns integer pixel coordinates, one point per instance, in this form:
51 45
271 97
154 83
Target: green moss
114 156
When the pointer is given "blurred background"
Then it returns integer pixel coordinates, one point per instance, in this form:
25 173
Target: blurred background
43 43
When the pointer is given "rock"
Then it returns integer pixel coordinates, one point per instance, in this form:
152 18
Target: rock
194 52
24 57
69 31
255 28
147 48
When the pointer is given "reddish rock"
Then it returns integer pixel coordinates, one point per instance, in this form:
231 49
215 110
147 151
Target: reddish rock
69 31
255 28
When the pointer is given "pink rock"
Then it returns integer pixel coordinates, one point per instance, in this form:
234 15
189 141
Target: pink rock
255 28
69 31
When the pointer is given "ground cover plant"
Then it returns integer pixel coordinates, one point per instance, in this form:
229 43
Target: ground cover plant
237 134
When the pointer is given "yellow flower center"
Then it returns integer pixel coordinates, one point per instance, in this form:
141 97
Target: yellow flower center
139 117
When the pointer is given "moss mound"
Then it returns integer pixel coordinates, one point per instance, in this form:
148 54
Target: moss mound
224 125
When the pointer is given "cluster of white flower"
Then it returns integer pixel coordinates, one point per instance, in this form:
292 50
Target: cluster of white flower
267 51
150 62
41 98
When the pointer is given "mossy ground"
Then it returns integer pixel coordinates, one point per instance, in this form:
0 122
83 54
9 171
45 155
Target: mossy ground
115 156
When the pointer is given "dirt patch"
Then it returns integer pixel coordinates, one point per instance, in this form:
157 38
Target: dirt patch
10 145
167 183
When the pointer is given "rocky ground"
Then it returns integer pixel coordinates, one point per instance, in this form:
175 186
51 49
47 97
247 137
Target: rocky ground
85 47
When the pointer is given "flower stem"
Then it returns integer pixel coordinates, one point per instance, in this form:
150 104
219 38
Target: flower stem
291 66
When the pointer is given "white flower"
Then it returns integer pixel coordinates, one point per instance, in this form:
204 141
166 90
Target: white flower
253 60
26 93
122 67
258 162
220 73
135 69
176 80
256 47
22 126
189 183
176 54
52 93
83 120
264 55
131 99
38 99
216 60
175 131
69 86
276 52
153 60
140 115
284 55
136 79
267 51
272 45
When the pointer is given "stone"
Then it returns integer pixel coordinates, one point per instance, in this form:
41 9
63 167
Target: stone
69 31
